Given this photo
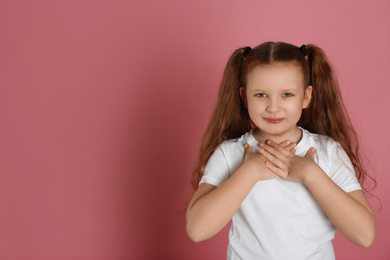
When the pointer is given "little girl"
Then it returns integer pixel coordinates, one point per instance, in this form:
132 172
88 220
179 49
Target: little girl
280 158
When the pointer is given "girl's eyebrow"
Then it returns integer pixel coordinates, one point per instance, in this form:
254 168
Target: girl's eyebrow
258 90
289 90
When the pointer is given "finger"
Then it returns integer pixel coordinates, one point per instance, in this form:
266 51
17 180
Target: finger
279 147
291 147
274 160
285 143
310 153
248 149
278 171
269 150
276 150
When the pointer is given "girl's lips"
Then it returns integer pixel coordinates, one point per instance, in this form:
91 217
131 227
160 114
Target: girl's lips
274 120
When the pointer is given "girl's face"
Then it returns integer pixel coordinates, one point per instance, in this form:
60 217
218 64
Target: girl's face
275 96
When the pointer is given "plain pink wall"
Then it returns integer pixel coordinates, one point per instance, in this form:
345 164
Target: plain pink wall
103 104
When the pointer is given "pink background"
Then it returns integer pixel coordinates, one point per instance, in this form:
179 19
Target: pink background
103 104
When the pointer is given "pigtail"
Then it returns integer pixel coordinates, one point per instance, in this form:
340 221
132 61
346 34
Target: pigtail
326 113
229 119
323 115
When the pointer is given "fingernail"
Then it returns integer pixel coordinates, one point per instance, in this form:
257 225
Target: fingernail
261 144
288 142
268 142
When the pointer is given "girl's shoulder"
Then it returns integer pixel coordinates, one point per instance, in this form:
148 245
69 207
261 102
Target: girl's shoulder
335 162
237 144
328 148
324 142
225 160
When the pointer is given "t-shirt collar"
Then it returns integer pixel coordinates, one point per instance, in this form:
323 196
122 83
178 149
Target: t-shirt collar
301 147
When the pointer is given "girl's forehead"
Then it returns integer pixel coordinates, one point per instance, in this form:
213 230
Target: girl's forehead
279 66
275 75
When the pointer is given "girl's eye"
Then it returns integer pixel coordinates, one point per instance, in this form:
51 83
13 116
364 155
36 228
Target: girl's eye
261 95
287 95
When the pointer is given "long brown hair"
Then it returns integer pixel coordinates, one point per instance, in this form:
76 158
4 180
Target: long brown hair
325 115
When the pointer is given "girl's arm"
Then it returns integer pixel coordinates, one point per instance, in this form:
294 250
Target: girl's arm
349 212
211 208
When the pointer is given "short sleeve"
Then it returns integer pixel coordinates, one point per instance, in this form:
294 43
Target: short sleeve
217 169
342 171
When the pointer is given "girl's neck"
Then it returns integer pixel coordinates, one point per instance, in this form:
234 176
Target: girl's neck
295 135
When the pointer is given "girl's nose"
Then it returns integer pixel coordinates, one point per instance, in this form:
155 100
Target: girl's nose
273 106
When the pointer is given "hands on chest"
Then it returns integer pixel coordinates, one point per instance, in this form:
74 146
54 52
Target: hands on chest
280 160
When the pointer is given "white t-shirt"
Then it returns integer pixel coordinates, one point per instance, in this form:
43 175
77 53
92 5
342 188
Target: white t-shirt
280 219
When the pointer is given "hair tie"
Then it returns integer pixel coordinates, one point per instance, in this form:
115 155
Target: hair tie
304 50
246 51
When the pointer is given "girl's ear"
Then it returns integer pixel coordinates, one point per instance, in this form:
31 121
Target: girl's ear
307 98
243 97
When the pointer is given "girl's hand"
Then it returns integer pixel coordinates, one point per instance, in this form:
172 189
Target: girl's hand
258 161
286 164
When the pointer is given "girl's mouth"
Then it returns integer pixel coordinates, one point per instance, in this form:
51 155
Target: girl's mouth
274 120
